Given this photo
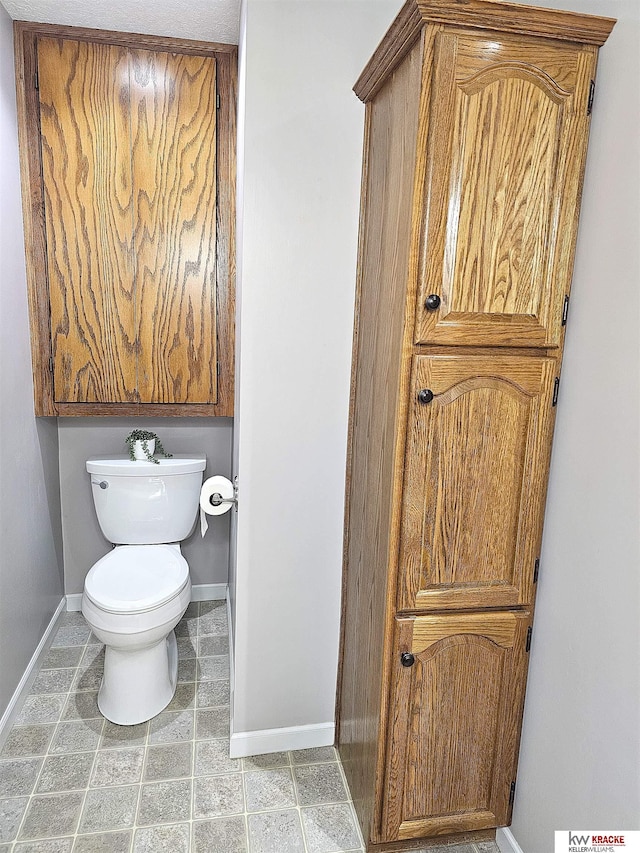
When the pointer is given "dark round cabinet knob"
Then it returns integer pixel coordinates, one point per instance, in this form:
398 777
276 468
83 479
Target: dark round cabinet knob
432 302
407 659
426 395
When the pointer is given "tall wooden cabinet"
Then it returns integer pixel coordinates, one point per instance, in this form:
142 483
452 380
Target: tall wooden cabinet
477 118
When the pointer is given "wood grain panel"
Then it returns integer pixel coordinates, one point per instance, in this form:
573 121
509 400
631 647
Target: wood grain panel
33 215
476 461
26 36
450 762
480 14
85 122
390 150
138 410
146 41
500 628
502 127
419 844
453 709
549 65
173 133
503 139
516 18
508 152
226 86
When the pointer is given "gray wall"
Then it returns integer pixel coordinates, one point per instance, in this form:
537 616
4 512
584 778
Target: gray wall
30 536
303 130
580 750
81 438
45 498
233 555
580 757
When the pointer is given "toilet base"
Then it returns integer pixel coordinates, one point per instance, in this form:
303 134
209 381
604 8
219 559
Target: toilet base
138 684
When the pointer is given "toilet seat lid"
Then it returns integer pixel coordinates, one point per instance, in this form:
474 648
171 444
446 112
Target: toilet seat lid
136 578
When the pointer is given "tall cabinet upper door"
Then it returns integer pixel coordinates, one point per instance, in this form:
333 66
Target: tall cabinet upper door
508 122
478 444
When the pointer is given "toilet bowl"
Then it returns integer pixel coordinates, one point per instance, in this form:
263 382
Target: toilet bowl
135 595
133 599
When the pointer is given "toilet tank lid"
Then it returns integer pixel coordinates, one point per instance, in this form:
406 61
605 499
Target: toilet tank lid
123 466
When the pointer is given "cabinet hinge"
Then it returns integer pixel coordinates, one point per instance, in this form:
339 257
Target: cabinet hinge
565 311
217 102
592 90
36 80
512 793
556 389
536 570
528 645
217 368
51 363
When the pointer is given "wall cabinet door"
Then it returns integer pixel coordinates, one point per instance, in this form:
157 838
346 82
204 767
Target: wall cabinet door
508 121
129 171
478 443
454 713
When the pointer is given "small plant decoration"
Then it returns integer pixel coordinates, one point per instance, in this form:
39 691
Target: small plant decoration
146 438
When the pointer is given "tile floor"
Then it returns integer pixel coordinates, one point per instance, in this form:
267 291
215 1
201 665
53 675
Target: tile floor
72 782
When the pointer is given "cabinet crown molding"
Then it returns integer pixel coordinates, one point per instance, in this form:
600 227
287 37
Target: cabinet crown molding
494 15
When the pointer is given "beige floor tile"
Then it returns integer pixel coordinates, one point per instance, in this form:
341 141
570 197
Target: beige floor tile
223 833
166 785
165 802
52 814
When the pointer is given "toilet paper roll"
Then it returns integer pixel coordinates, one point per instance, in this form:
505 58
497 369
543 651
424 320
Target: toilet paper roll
217 485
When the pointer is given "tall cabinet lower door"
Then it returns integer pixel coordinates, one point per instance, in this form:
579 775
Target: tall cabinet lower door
457 695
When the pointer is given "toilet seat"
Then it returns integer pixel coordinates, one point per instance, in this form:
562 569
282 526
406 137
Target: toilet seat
137 578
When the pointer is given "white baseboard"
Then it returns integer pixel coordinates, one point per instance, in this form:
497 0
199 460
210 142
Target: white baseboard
28 677
74 602
244 744
506 841
231 669
199 592
209 592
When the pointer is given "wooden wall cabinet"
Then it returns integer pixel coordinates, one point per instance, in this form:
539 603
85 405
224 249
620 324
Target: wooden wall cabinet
127 149
477 118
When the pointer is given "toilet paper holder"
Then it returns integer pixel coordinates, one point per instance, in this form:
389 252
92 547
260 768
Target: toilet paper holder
216 498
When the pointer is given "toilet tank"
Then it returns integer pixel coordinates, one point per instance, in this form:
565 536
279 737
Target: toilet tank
141 503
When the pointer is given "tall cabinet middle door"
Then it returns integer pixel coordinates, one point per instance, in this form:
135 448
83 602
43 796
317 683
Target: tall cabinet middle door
478 442
129 169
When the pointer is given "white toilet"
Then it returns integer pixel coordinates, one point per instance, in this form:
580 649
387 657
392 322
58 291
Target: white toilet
136 595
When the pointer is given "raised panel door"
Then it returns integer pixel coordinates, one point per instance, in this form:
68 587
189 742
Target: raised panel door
457 690
478 443
507 141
